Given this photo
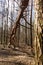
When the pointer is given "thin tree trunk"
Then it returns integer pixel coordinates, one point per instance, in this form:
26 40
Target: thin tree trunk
26 31
31 22
2 28
7 23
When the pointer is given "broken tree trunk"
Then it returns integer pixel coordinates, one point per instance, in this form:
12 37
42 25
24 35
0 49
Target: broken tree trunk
24 4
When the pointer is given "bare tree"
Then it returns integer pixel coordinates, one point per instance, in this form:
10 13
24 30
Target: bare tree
24 4
26 30
31 22
7 22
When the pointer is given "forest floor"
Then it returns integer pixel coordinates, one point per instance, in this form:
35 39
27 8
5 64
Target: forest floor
16 56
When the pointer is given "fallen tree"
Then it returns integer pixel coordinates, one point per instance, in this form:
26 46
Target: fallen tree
23 6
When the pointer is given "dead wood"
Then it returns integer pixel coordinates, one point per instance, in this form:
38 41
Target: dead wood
24 4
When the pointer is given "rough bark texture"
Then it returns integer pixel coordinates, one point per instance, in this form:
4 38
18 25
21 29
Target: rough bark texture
37 29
